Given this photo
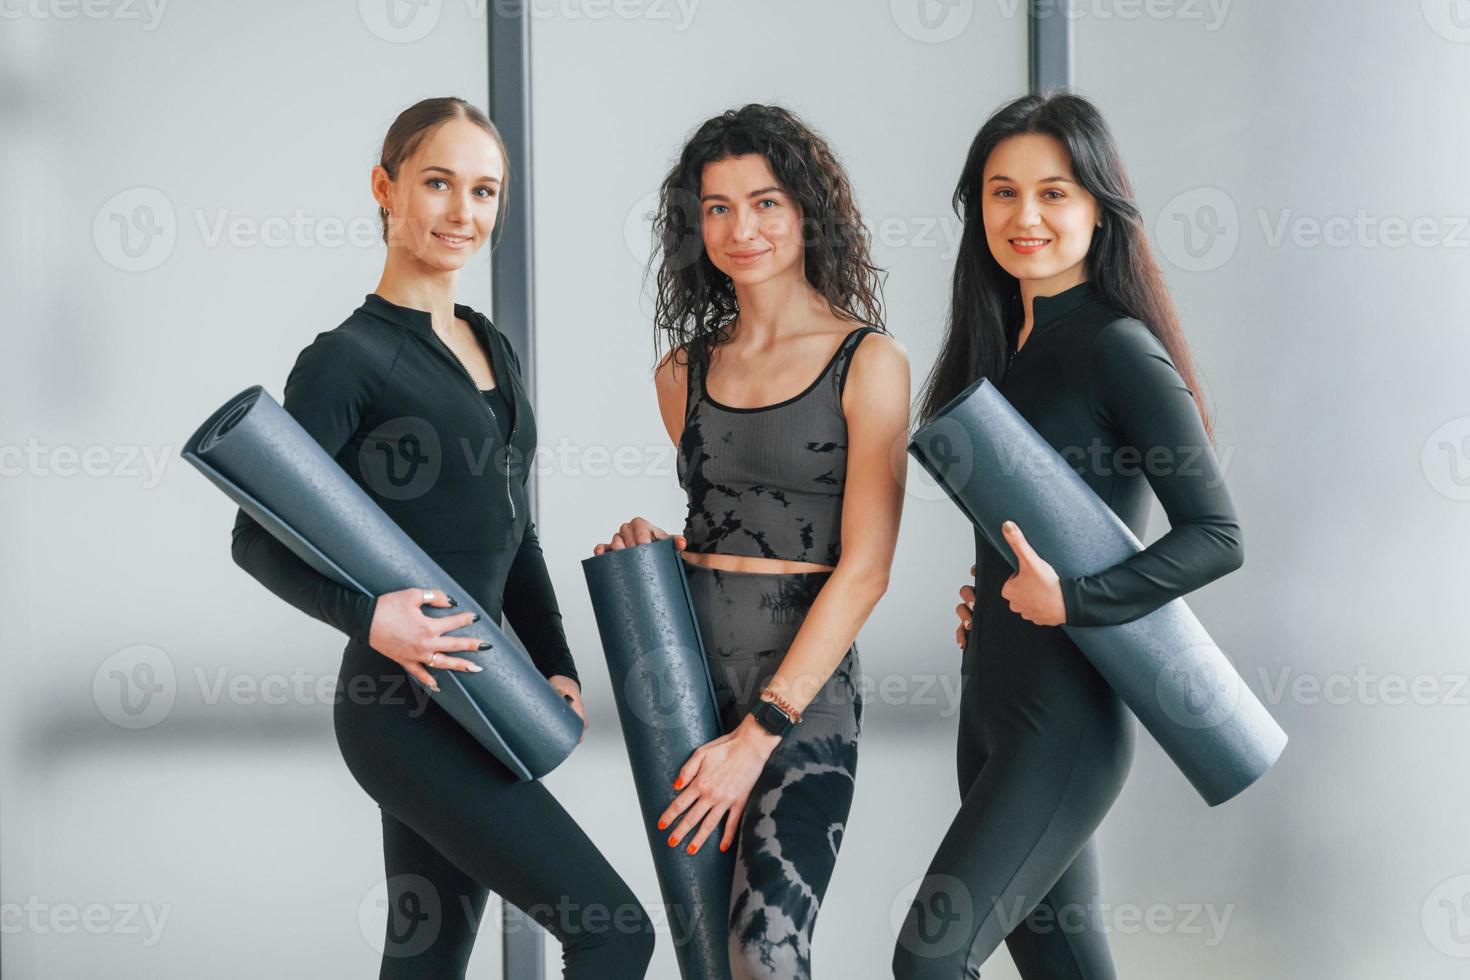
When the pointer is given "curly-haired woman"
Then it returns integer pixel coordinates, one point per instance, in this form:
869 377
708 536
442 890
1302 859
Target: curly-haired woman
791 424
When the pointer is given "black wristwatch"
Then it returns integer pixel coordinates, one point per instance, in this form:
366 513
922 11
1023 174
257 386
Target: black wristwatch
772 718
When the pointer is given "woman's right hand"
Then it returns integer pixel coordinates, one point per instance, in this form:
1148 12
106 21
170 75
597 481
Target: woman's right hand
638 531
966 611
402 633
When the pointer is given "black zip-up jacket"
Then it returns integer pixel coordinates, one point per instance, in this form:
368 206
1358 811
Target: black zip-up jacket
1102 390
389 401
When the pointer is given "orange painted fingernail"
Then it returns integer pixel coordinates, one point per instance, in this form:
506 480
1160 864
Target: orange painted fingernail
724 845
663 825
673 842
679 783
691 848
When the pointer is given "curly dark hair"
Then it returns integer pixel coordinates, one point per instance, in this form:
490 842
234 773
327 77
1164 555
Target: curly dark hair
694 299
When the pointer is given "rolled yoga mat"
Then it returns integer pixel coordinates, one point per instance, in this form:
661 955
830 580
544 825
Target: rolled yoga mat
666 703
1164 666
261 457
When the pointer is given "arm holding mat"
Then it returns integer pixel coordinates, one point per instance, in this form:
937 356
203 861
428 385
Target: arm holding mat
1136 390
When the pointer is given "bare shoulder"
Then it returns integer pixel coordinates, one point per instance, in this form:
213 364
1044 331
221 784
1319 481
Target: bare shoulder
670 374
877 384
879 357
669 384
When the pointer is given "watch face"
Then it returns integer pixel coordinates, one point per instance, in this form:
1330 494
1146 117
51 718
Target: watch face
773 719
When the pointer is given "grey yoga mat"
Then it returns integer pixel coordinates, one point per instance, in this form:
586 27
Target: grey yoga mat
666 704
1164 666
261 457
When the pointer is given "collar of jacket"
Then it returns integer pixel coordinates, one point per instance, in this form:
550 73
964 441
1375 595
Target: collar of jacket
1049 309
419 321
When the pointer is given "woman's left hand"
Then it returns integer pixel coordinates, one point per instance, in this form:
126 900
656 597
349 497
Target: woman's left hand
1033 590
572 691
717 781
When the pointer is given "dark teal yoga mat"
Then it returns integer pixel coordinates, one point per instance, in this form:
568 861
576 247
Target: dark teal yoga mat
261 457
666 703
1164 666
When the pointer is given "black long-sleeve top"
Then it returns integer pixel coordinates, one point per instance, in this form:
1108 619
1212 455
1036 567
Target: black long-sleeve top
398 411
1103 391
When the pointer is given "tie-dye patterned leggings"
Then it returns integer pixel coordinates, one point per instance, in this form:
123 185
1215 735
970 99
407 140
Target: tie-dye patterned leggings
794 820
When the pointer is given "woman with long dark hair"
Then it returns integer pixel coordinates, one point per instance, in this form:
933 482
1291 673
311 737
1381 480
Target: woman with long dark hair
1058 301
788 402
420 399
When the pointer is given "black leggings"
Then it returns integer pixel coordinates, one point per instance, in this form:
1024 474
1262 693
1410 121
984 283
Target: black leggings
1044 748
457 824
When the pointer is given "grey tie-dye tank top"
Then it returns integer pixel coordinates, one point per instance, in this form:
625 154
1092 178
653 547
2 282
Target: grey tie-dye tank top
767 482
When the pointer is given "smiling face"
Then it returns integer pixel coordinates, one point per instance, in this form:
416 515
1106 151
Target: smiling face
1038 220
444 202
751 225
